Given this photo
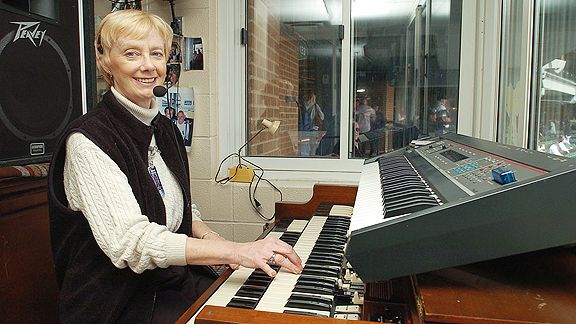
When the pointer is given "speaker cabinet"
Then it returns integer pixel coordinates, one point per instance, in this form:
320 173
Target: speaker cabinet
40 87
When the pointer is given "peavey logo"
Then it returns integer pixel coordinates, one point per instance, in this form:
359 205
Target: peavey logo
29 30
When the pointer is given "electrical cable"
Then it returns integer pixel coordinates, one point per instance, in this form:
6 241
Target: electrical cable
251 188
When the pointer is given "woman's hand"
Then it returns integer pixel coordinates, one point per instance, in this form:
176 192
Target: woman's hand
259 254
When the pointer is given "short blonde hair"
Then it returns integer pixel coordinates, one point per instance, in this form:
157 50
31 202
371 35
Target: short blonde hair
130 23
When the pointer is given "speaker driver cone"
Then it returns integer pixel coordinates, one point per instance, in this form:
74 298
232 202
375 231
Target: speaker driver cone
37 102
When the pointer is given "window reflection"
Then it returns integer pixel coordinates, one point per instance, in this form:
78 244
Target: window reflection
406 69
556 94
294 53
404 74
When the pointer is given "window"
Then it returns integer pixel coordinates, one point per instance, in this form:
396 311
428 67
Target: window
406 71
515 57
293 75
554 120
347 79
538 76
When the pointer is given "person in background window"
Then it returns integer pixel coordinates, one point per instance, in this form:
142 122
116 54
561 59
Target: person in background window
562 147
124 230
380 119
440 116
312 114
357 153
365 115
311 121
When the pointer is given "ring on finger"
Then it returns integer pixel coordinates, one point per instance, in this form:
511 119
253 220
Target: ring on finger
272 259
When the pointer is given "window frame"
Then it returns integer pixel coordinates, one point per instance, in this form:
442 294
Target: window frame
233 95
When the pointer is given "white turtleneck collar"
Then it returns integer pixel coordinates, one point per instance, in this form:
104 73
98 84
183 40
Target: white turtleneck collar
145 115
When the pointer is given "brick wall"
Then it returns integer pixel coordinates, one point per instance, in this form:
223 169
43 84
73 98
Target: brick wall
272 80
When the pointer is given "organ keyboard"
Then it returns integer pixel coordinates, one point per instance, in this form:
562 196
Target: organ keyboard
320 244
415 211
456 201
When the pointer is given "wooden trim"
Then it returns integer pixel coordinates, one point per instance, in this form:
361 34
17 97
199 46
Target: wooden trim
229 315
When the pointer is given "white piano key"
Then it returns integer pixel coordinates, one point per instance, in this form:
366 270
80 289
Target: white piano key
341 210
275 234
297 225
368 207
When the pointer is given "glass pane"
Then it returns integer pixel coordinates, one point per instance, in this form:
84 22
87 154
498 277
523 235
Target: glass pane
293 72
556 90
443 66
512 87
406 68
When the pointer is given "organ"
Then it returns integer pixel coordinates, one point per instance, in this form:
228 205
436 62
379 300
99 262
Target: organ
454 230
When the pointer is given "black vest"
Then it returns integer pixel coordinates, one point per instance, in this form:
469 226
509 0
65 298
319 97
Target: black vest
92 289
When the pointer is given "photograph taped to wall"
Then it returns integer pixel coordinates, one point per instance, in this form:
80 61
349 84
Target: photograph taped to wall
172 74
178 106
175 55
181 99
193 54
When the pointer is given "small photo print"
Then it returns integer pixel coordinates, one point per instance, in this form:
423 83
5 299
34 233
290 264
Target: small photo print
193 54
185 126
172 74
178 106
175 55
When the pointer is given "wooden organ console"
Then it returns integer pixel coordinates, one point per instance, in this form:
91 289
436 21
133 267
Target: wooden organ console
454 231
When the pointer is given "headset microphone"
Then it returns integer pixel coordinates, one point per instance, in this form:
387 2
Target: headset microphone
159 91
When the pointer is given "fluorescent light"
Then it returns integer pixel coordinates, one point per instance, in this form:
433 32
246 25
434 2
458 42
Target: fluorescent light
383 8
361 90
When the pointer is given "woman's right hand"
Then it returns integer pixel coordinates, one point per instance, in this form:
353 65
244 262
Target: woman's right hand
257 255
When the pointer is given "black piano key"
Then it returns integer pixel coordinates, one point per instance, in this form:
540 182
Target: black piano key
260 275
242 303
319 272
401 187
338 239
321 262
258 282
323 209
409 209
326 249
282 225
339 218
330 241
327 256
415 201
251 291
313 289
322 267
406 201
309 302
408 193
325 280
315 283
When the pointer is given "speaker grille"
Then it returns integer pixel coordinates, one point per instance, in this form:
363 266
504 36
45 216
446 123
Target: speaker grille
37 88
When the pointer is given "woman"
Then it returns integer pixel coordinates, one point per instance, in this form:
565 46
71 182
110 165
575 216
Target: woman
122 222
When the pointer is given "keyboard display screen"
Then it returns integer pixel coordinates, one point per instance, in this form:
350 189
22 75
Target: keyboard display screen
453 155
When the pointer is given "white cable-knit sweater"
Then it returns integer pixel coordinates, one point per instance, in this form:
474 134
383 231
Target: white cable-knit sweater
95 185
